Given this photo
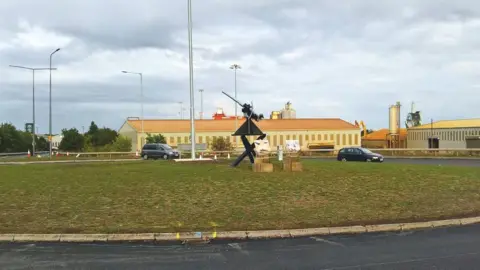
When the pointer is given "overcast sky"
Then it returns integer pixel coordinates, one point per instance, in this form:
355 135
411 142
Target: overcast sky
347 59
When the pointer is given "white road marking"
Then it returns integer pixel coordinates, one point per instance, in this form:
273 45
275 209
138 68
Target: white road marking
318 239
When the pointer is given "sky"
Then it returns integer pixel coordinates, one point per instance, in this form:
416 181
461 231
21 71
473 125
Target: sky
341 59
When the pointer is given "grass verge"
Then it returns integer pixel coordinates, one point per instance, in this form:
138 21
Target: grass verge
159 196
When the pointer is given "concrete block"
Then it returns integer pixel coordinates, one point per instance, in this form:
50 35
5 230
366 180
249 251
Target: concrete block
446 222
268 234
262 167
309 232
384 228
348 229
131 237
231 235
83 238
417 225
6 237
36 238
297 167
472 220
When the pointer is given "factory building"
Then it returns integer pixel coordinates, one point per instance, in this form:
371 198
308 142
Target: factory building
286 113
458 134
311 133
380 139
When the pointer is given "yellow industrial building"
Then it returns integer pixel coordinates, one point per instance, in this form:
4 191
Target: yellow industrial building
463 133
311 133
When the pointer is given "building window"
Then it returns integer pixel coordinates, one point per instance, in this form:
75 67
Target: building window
186 139
338 139
325 137
281 140
300 138
356 139
331 137
200 139
307 137
294 137
344 139
288 137
349 139
172 140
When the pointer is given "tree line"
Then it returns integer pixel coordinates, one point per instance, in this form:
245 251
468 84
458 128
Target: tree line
95 140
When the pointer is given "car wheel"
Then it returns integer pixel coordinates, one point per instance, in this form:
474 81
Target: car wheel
165 157
344 159
145 156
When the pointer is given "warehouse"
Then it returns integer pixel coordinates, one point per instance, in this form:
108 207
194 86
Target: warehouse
380 139
321 132
452 134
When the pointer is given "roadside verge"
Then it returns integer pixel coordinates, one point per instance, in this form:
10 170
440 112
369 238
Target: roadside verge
231 235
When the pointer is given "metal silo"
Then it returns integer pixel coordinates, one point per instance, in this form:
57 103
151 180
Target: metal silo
394 119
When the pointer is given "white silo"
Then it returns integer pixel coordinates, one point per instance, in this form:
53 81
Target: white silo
394 119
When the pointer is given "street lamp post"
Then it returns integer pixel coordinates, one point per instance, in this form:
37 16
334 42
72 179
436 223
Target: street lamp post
33 101
50 104
201 103
235 67
141 100
190 63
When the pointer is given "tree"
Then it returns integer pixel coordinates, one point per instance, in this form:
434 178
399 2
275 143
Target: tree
41 144
13 140
122 144
221 144
93 128
158 138
72 140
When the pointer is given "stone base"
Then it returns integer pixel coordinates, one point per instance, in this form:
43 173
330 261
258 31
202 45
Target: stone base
292 164
262 164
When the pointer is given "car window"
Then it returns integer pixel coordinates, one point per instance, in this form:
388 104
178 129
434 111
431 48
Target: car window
357 151
343 150
166 147
366 151
349 150
159 147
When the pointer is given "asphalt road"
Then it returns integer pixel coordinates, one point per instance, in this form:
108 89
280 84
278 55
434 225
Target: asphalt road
425 161
447 248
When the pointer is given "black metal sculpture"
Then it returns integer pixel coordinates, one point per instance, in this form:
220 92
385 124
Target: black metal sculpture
248 128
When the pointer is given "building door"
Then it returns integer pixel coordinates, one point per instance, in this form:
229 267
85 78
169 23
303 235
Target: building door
473 142
433 143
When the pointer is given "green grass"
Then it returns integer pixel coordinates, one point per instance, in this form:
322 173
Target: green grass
159 196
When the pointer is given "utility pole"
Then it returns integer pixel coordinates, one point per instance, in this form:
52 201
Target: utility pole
192 94
235 67
201 103
50 135
33 102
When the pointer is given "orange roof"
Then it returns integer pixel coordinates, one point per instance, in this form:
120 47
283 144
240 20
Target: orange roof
381 134
180 126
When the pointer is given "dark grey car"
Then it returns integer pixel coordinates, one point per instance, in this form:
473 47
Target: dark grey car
158 150
358 154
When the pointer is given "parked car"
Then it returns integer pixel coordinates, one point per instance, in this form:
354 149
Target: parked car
358 154
158 150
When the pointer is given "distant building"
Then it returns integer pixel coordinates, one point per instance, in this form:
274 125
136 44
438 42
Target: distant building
464 133
318 133
286 113
381 139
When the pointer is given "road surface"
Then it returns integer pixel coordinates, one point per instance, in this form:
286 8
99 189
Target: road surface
425 161
446 248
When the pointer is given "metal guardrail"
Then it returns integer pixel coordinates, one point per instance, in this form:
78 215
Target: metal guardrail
20 154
